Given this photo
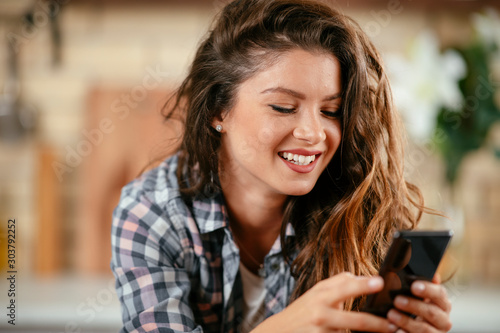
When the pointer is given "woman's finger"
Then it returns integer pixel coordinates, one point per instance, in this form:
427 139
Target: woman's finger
408 324
435 293
429 312
345 285
360 321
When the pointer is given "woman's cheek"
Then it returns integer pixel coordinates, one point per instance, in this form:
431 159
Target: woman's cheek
271 132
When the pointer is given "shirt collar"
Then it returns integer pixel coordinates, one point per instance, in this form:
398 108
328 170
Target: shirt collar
211 214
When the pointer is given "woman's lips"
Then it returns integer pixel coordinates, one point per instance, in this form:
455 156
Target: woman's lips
300 160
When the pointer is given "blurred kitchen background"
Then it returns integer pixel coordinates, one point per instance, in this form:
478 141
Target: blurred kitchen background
81 87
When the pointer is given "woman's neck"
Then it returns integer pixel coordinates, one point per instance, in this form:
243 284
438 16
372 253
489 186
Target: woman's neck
255 219
253 211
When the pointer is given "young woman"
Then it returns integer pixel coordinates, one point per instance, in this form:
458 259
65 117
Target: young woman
276 212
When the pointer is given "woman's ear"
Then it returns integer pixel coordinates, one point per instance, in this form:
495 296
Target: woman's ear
218 121
217 124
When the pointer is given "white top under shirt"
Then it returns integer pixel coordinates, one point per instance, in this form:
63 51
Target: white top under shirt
254 294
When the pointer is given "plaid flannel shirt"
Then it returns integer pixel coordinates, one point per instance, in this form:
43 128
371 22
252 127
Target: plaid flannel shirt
176 264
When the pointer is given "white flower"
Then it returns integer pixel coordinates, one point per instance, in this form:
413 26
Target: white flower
424 82
487 26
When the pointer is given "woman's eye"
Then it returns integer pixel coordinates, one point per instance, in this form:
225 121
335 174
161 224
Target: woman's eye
281 109
332 114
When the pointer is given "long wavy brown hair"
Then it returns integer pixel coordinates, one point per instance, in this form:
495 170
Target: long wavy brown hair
346 222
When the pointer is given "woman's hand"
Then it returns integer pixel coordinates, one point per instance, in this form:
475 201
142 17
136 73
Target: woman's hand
321 309
433 312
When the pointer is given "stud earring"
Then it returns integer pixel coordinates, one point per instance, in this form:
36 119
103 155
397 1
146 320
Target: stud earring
218 128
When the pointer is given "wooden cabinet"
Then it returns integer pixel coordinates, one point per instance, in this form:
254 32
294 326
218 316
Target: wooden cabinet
135 138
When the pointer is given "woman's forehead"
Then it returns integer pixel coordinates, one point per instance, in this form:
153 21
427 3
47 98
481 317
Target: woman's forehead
298 71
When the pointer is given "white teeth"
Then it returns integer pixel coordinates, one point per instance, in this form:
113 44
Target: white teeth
298 159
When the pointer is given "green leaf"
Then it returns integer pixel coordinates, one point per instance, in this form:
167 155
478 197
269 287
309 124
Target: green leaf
467 128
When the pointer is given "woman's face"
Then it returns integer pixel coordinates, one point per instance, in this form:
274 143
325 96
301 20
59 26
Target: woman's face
284 127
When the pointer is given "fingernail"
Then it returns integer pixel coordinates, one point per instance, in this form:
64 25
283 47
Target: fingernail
392 327
419 287
394 315
400 331
400 300
375 282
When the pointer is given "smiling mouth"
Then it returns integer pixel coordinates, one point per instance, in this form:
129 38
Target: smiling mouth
297 159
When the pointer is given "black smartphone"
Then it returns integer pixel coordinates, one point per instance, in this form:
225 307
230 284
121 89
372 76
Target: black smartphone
413 255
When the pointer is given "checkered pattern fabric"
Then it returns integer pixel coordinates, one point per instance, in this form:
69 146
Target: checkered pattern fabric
176 264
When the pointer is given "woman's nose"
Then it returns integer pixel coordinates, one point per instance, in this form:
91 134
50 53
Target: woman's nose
309 128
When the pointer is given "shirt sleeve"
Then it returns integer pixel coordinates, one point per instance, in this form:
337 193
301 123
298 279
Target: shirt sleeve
148 263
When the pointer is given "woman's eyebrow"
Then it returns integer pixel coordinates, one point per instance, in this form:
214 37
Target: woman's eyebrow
333 97
296 93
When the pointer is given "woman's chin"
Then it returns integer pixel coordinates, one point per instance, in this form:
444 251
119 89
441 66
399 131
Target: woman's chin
298 191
